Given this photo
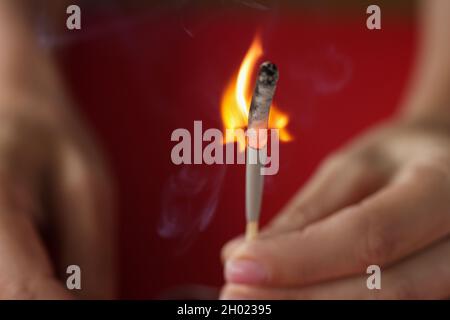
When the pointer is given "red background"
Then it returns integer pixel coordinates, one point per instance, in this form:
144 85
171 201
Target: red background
138 77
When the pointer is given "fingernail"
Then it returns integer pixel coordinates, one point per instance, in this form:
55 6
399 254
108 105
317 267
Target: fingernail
245 271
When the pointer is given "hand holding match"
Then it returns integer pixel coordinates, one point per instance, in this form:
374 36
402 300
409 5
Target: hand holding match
257 144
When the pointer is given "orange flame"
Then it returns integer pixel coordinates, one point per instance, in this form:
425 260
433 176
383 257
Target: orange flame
237 96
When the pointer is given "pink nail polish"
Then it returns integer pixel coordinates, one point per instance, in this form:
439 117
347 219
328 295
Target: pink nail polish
245 271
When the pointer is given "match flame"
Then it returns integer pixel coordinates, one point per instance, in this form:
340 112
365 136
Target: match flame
237 96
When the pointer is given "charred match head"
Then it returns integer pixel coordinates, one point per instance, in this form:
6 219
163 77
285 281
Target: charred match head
268 74
266 83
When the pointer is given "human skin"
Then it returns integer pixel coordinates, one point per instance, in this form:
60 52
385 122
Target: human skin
52 178
382 199
392 178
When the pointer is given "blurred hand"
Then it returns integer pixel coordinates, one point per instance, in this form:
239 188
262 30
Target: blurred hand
53 186
383 200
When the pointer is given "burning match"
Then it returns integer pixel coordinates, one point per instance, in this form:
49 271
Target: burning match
257 146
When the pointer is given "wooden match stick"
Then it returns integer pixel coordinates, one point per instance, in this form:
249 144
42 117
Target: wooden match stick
251 230
258 119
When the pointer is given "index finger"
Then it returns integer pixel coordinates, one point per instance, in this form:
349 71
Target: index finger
407 215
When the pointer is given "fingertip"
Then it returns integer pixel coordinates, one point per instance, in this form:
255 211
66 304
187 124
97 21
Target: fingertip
246 271
230 247
245 292
233 292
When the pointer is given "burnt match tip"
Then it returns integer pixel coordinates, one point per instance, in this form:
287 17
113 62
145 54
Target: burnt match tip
268 73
